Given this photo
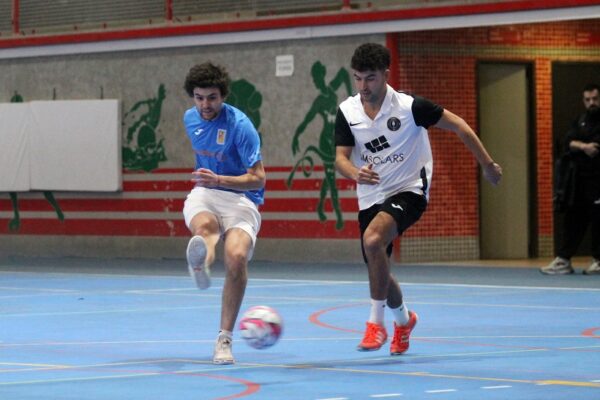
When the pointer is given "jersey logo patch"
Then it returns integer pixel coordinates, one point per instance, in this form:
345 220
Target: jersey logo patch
378 144
393 124
221 133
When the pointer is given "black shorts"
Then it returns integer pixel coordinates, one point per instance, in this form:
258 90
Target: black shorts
405 207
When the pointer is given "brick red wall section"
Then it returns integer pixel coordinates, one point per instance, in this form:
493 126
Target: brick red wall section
454 191
441 65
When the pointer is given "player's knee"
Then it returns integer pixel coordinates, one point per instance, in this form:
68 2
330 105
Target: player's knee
372 242
237 261
237 273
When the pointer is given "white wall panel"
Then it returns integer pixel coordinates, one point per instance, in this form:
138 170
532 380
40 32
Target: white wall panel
14 147
75 145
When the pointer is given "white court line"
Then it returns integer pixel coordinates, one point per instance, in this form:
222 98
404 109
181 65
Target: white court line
413 300
577 289
496 387
509 337
117 311
331 282
520 306
379 396
332 398
165 342
440 391
111 377
36 289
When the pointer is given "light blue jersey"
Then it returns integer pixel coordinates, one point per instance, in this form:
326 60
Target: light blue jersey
227 145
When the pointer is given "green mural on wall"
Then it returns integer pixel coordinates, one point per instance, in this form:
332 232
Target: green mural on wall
141 150
324 105
15 223
245 97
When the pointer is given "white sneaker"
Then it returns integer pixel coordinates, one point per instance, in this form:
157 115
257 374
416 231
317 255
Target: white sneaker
223 353
196 257
593 269
558 266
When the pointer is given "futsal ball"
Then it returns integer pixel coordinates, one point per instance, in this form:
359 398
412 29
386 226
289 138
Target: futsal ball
261 327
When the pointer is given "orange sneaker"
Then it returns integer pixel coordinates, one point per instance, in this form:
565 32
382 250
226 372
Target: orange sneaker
402 334
375 337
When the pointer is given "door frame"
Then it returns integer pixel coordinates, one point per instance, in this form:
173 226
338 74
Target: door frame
532 201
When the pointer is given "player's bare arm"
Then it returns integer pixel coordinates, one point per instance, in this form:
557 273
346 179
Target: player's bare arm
452 122
254 178
365 175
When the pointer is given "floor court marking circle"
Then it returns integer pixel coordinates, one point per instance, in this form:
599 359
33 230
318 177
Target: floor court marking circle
250 386
591 332
315 319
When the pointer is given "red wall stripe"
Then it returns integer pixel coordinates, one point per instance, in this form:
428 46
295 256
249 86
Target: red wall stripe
174 228
272 184
168 205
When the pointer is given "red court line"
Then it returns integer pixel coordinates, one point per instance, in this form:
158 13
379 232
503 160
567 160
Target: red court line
591 332
315 318
251 387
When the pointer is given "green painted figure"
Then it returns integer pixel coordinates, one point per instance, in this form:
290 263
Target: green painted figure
246 98
141 150
15 223
325 106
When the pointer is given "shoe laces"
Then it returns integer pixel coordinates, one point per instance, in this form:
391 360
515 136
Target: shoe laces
401 333
224 343
372 333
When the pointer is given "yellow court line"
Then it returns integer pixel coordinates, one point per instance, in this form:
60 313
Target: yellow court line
443 376
569 383
422 374
12 364
111 377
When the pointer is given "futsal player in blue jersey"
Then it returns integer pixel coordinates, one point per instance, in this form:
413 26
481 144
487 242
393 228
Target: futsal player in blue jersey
230 180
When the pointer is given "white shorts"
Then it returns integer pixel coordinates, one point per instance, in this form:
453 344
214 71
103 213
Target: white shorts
233 210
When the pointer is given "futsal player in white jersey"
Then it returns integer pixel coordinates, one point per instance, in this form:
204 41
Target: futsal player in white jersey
382 144
230 180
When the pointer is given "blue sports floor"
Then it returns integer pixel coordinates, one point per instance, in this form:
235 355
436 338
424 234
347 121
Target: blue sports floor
133 329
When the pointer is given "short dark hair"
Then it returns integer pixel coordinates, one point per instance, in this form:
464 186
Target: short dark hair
591 87
207 75
370 57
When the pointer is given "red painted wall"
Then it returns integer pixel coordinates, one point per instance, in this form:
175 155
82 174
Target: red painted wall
441 65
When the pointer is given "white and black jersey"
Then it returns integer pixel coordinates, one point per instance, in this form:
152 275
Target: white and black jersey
395 142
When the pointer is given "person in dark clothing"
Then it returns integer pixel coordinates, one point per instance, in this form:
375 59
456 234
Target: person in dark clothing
583 144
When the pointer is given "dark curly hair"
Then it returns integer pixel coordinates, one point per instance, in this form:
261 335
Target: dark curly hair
207 75
370 57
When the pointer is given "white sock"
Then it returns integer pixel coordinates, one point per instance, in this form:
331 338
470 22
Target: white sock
400 314
377 309
228 334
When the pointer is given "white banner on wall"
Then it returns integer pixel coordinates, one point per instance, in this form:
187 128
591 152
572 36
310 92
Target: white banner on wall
75 145
61 145
14 142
